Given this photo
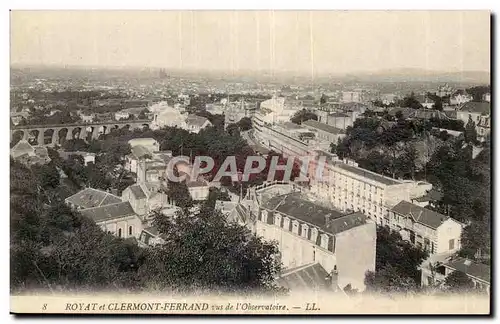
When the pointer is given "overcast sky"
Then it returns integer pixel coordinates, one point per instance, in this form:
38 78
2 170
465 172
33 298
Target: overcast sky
296 41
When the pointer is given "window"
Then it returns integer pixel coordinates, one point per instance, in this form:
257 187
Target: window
451 244
130 230
305 230
119 232
324 241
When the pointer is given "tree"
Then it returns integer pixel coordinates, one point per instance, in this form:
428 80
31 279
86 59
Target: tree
476 238
478 92
233 129
214 195
411 101
47 175
302 116
470 132
142 114
388 280
245 124
323 100
396 263
438 101
333 148
458 281
204 251
178 192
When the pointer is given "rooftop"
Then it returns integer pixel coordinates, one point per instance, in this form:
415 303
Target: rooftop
338 114
477 107
137 191
195 120
311 276
324 127
108 212
142 141
90 198
421 215
478 270
291 126
140 151
22 147
367 174
294 205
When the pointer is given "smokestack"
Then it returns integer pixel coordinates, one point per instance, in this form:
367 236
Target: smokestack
142 170
327 220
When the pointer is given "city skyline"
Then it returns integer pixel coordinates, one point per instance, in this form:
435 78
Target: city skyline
238 41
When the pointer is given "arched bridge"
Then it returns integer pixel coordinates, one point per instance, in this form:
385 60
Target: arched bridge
57 134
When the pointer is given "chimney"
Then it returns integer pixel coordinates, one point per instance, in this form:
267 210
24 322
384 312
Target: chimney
142 170
327 220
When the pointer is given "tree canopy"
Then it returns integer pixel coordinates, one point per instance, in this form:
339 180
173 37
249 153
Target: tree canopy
396 264
302 116
54 247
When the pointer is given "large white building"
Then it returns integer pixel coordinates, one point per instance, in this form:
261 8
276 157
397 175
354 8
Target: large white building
351 188
307 234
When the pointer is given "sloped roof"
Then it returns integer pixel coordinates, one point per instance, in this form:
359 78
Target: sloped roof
22 147
139 151
478 270
367 174
346 222
293 205
108 212
137 191
324 127
312 276
477 107
421 215
427 114
142 141
195 120
239 214
90 197
152 232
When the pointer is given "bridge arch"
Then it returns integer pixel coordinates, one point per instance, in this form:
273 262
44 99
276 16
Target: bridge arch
47 136
33 137
62 134
76 133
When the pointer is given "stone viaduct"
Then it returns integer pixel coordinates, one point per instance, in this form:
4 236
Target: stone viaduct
56 134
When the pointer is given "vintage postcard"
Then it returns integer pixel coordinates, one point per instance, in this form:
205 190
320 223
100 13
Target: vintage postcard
250 162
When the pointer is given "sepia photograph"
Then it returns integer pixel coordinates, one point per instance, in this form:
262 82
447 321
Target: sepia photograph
250 162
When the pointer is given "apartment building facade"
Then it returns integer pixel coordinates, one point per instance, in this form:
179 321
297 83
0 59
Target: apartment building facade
307 233
425 228
353 189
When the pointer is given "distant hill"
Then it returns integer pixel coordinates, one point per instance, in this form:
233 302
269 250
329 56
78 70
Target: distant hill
394 75
420 75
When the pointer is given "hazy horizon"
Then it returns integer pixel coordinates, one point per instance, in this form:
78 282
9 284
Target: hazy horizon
302 42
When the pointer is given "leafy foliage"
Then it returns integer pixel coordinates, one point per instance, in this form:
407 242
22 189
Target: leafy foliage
302 116
53 247
457 281
396 264
204 251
